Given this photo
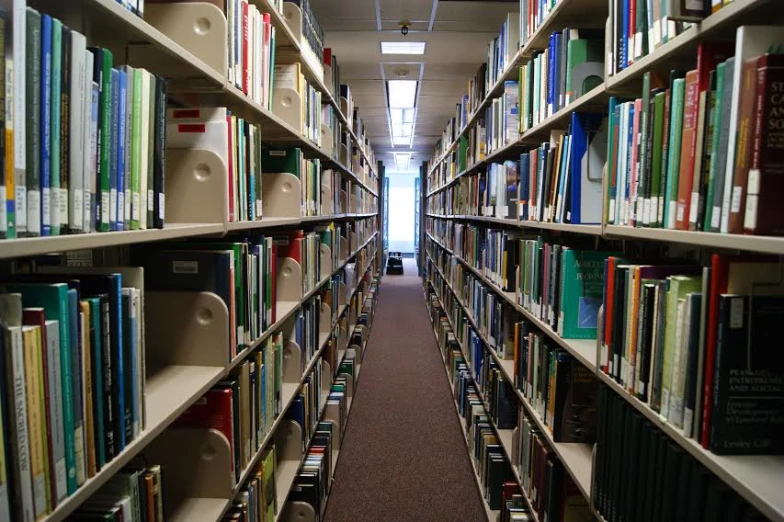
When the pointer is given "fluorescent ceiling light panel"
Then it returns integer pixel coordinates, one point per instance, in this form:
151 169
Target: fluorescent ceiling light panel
401 140
402 160
402 47
402 93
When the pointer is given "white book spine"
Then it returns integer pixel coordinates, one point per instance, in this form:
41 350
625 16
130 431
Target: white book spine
88 160
54 376
18 115
21 443
76 131
145 138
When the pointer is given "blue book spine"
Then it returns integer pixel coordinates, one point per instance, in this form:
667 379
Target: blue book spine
625 41
557 94
113 150
54 134
579 144
551 75
122 108
525 185
565 173
46 122
91 177
117 366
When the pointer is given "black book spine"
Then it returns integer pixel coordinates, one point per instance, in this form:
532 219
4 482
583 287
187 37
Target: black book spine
159 165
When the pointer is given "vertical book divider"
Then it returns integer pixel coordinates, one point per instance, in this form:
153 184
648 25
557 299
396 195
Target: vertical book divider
281 197
199 179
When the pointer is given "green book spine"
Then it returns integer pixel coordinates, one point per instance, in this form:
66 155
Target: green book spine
674 159
679 287
136 149
33 122
54 157
656 159
582 287
716 116
97 373
104 177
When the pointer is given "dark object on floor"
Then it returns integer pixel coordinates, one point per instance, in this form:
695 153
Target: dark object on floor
395 263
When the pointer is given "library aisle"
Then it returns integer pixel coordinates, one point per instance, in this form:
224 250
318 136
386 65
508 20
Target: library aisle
403 456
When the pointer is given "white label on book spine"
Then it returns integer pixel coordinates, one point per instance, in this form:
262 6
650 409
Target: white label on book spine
736 196
113 204
104 207
716 217
64 206
135 206
46 210
21 213
750 219
681 210
736 313
34 211
121 206
3 214
88 208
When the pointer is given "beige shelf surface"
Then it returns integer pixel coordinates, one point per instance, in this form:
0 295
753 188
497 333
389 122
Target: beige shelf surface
765 244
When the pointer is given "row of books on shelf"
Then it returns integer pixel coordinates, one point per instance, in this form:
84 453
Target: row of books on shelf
550 490
133 493
692 153
502 49
88 154
557 387
665 330
251 50
640 474
693 346
256 501
73 360
638 28
568 68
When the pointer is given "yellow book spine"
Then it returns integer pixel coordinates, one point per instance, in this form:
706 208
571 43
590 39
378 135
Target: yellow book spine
33 386
88 389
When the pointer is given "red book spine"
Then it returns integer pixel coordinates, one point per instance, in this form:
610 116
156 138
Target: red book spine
608 314
632 29
688 150
718 286
746 116
766 174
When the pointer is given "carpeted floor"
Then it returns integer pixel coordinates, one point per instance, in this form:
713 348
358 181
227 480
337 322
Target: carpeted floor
403 457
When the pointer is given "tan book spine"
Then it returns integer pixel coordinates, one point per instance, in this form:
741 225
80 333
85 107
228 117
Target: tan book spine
87 372
33 387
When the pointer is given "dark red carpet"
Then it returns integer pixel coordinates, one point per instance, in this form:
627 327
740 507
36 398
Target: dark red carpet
403 457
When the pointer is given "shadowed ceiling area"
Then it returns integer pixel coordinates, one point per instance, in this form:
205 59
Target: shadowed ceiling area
455 34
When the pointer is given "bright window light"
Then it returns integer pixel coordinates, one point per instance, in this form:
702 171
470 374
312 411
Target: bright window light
402 93
402 47
402 160
400 116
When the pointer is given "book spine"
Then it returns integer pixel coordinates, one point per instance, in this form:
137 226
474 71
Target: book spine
54 131
159 161
76 137
688 148
19 438
136 151
114 117
36 424
149 192
103 195
32 110
45 125
54 377
747 113
15 108
130 79
65 122
119 145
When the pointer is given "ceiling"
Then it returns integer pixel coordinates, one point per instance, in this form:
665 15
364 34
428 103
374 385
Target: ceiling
456 34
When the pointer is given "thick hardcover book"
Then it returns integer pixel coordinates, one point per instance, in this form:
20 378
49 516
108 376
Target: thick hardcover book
159 155
688 143
65 127
55 120
766 173
575 416
747 419
45 125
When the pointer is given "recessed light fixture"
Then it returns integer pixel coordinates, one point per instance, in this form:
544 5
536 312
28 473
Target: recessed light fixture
402 47
402 160
402 93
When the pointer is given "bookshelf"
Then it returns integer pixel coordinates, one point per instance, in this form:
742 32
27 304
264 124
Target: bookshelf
755 479
186 341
